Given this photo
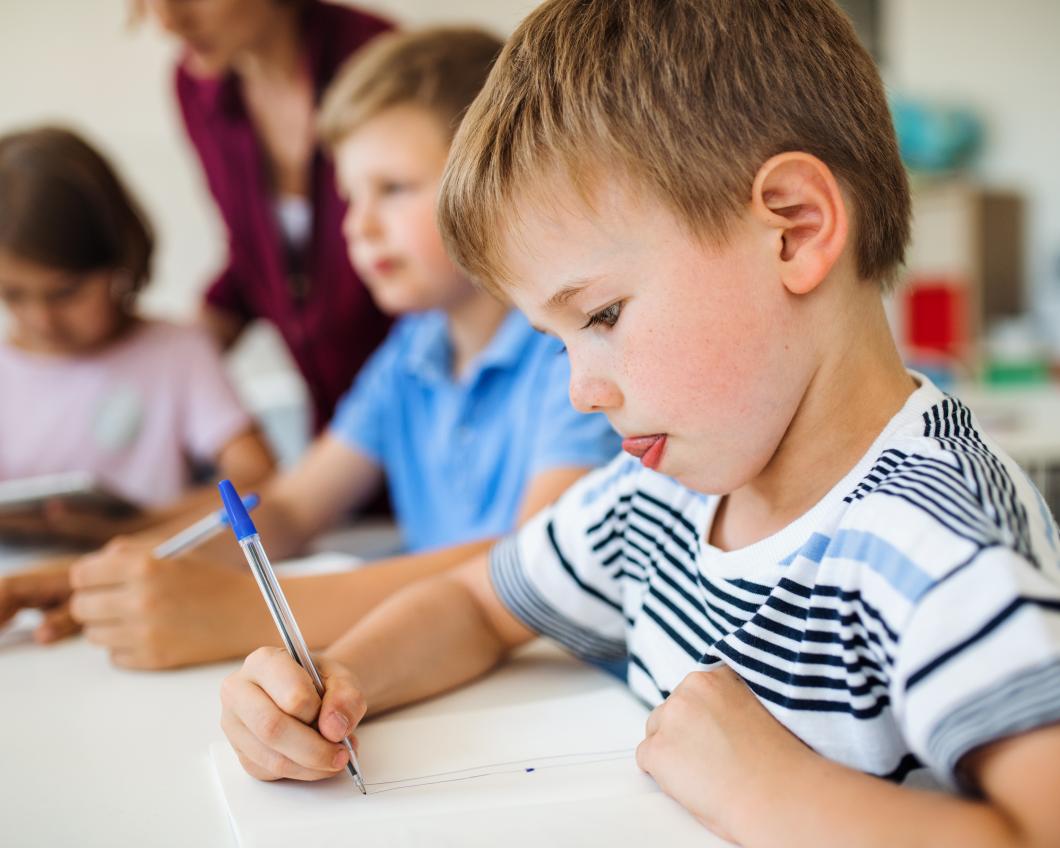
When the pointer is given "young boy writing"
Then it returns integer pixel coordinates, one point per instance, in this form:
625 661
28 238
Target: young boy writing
840 592
464 407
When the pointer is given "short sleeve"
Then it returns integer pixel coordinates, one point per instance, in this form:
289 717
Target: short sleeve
979 658
213 414
363 415
564 436
551 578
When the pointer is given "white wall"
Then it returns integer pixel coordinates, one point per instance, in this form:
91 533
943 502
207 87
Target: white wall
1003 60
77 62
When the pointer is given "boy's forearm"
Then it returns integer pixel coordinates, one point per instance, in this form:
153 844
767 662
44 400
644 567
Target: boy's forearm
425 640
328 605
826 805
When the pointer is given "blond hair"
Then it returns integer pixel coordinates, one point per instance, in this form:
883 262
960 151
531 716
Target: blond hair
440 69
684 98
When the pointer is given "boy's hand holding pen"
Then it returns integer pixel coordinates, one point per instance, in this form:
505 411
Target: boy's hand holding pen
281 735
269 708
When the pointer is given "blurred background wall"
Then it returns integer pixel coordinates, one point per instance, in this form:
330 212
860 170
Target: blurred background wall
79 62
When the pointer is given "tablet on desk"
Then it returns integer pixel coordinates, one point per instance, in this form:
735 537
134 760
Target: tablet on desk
79 490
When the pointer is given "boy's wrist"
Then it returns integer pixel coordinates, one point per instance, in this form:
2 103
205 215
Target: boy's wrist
789 785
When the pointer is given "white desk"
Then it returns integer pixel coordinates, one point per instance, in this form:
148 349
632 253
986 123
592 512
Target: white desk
94 755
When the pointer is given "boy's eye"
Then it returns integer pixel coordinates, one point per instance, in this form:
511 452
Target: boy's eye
606 317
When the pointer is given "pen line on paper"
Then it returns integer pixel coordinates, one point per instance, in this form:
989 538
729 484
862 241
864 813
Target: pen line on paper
492 769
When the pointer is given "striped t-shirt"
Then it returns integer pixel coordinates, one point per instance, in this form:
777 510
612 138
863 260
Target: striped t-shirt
910 616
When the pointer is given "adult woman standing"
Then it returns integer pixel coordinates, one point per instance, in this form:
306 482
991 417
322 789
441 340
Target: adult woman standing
248 85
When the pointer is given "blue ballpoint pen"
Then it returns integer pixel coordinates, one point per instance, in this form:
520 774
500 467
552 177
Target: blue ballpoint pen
250 542
199 532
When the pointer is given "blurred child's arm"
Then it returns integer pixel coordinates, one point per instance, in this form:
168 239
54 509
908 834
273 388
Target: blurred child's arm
156 614
431 637
245 459
719 752
329 481
45 587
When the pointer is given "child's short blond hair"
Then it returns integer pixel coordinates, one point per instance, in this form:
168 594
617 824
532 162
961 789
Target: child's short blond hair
684 98
440 69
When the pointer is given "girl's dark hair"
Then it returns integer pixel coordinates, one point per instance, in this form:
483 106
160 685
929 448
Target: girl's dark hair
63 206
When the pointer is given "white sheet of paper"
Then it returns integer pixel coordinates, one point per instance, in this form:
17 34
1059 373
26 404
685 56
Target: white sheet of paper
558 771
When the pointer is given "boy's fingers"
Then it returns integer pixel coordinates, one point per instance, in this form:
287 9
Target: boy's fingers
109 567
259 760
642 756
343 705
654 719
253 769
114 637
57 624
96 607
284 681
277 731
32 589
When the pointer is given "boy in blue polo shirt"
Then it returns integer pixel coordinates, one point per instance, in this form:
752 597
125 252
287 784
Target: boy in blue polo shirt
464 408
460 452
841 598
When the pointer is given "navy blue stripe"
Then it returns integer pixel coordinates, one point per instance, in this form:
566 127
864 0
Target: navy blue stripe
811 658
611 513
668 530
900 772
732 600
675 637
849 595
669 510
753 588
653 540
825 614
1000 618
585 587
803 681
817 706
688 621
639 663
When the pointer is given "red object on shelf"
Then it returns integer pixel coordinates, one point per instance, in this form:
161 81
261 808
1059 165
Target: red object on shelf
936 315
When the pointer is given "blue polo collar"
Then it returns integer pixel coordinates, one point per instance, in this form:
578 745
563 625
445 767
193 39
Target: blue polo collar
430 351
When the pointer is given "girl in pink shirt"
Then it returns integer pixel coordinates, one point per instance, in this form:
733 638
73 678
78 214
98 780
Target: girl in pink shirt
86 384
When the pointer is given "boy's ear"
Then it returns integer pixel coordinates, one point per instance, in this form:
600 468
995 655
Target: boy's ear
798 199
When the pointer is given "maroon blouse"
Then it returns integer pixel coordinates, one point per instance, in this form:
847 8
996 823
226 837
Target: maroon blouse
316 300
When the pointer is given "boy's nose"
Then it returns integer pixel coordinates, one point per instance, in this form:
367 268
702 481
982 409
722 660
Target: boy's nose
360 222
592 393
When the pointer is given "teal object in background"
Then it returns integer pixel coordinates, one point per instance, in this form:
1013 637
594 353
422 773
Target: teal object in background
935 137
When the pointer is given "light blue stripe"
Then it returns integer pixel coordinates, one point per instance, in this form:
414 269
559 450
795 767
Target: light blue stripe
813 550
904 575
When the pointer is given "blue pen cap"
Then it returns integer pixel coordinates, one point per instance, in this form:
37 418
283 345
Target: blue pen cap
250 501
238 517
